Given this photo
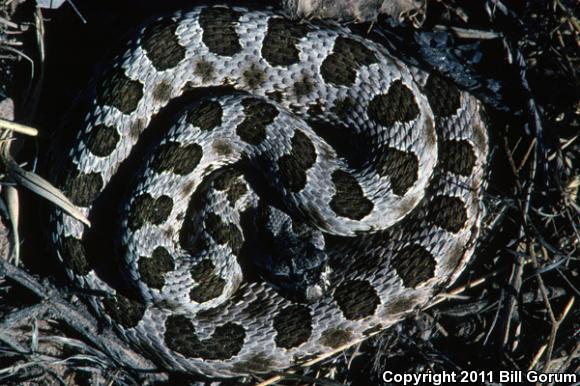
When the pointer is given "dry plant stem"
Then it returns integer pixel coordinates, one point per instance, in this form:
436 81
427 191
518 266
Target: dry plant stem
37 82
567 143
81 322
503 317
36 362
354 355
8 23
16 318
512 162
508 300
307 380
32 181
526 156
33 358
573 355
555 322
575 352
270 381
18 128
19 53
538 166
41 187
472 284
470 33
537 357
8 127
13 205
280 377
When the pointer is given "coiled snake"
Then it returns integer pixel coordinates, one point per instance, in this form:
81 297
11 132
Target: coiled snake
303 138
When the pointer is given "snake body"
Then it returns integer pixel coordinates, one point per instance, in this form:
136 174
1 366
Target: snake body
375 167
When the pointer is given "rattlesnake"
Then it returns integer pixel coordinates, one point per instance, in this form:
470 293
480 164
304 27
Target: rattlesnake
300 136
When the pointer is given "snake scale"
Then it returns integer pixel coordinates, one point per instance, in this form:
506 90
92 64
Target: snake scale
304 138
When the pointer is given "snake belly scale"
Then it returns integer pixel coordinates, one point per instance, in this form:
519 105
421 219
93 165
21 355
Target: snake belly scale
389 192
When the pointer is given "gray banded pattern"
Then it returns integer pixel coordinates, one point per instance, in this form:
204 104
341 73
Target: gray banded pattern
387 188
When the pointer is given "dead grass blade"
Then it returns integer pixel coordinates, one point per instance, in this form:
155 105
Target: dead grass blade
44 189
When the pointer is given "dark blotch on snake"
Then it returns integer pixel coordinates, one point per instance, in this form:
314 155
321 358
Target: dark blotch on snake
356 299
293 166
179 159
276 95
340 67
125 311
365 262
315 109
226 341
442 95
153 269
343 107
161 44
457 156
223 147
81 189
102 140
349 200
414 265
303 87
119 91
224 233
187 187
162 92
402 168
208 284
210 314
397 105
74 256
219 30
206 115
202 269
136 129
279 45
335 337
230 182
204 70
256 308
293 326
254 76
258 115
447 212
146 209
259 363
399 306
